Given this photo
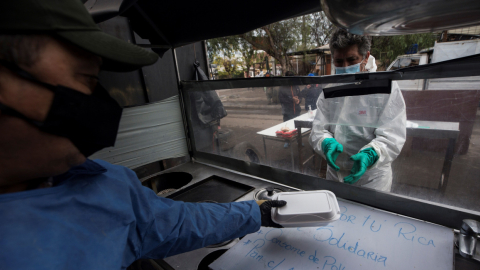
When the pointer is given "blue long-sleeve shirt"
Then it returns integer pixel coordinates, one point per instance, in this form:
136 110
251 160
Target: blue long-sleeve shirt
99 216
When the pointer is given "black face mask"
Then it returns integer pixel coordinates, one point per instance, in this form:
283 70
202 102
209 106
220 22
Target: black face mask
90 122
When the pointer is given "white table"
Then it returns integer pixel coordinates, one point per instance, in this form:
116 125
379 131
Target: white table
422 129
270 133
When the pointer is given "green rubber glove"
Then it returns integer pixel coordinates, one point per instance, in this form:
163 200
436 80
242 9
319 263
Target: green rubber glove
331 148
366 158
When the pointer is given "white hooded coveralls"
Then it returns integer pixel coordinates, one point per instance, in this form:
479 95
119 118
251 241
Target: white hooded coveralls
359 122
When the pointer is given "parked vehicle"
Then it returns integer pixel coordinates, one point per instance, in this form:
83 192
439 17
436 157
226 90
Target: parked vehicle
442 51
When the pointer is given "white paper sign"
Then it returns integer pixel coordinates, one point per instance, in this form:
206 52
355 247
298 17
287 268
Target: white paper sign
363 238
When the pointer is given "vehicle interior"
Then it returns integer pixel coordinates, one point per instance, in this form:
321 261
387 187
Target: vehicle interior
191 138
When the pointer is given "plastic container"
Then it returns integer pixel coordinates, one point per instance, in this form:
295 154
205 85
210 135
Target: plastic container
306 208
310 112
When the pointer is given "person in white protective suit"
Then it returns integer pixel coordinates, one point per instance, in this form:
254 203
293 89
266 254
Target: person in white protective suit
371 66
365 132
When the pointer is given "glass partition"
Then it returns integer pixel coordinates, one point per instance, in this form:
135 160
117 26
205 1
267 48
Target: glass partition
426 143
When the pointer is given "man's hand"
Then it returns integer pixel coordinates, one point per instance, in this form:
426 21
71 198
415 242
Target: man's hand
266 212
296 100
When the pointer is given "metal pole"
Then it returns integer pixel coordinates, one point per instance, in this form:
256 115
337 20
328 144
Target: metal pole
322 65
291 155
265 149
182 104
447 165
209 66
275 65
266 63
299 147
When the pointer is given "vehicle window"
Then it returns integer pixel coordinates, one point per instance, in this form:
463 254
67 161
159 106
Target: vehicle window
409 62
256 125
395 65
405 62
433 153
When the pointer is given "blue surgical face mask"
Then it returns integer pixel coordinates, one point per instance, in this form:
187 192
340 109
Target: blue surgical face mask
350 69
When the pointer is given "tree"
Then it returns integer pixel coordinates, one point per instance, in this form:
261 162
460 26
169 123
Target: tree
229 64
387 48
248 53
220 47
301 34
276 39
322 29
229 46
222 51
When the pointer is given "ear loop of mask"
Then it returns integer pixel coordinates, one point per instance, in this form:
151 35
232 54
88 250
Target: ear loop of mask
364 65
98 139
343 70
22 73
9 111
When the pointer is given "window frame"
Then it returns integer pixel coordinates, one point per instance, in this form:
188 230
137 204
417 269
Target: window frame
445 215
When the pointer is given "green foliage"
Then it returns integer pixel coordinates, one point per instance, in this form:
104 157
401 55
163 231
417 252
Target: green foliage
321 29
300 33
227 47
387 48
235 74
297 34
230 66
224 46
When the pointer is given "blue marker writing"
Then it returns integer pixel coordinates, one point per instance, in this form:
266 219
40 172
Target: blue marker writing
272 263
331 261
406 229
314 258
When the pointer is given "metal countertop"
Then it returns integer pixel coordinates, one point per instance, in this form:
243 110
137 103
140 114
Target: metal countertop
190 260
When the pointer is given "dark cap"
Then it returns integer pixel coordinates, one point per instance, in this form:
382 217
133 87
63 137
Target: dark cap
70 20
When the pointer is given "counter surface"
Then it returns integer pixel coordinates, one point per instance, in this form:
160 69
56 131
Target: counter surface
190 260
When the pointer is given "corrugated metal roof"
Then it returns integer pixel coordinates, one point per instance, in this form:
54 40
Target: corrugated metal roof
474 30
322 49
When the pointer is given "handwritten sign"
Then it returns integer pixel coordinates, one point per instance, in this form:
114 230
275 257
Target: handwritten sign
363 238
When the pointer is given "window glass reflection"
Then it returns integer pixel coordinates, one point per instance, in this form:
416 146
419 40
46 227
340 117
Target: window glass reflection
426 142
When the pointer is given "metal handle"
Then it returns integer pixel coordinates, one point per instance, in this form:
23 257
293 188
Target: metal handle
468 239
470 226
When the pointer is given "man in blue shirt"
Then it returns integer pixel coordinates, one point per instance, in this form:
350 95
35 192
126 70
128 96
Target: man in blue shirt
60 210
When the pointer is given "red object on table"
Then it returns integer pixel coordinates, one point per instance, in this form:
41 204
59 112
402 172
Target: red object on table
286 134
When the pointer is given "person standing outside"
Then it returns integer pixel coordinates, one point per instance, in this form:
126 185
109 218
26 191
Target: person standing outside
371 150
289 98
311 93
268 90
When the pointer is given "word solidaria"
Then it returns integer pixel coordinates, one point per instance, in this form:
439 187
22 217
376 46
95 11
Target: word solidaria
325 234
